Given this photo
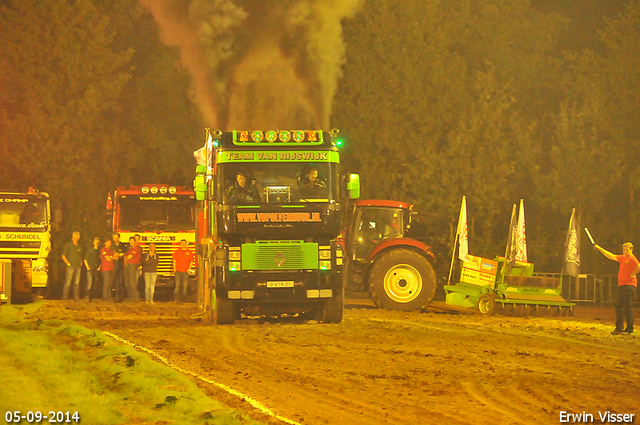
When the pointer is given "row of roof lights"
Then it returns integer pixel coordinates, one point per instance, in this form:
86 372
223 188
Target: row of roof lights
154 190
273 135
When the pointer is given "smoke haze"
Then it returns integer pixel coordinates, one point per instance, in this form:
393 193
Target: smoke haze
258 63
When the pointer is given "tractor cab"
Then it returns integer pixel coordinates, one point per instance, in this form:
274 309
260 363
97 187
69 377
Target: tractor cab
373 221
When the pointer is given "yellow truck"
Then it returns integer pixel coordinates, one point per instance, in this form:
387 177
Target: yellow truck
25 240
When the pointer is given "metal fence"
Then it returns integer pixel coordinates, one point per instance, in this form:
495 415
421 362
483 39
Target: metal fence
608 293
588 289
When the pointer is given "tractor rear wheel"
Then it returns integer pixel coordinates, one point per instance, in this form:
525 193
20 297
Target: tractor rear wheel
402 279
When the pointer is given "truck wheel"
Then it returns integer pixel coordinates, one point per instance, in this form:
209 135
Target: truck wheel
487 305
334 307
402 279
222 310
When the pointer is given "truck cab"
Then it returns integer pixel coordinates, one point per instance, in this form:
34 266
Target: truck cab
271 207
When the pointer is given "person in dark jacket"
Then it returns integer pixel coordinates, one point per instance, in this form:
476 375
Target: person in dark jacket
241 192
73 256
92 263
150 271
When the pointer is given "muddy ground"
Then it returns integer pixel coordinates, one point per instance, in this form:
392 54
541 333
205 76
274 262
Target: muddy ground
387 367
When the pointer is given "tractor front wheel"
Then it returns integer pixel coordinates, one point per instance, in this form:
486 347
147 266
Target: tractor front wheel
402 279
487 305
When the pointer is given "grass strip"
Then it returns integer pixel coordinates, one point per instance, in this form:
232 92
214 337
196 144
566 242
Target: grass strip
55 365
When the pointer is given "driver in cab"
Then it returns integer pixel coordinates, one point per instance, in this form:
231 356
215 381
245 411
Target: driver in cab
241 193
313 187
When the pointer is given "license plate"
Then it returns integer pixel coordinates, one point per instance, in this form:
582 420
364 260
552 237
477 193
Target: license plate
280 284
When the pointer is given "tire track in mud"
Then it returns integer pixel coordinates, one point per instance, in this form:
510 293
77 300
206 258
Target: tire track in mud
632 345
314 389
383 367
231 391
486 398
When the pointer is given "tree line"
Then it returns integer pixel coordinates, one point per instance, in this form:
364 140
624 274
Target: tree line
497 101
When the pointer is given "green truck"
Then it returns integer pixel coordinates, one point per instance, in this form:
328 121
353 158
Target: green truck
269 224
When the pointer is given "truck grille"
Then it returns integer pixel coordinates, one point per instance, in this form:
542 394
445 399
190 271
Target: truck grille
279 255
19 249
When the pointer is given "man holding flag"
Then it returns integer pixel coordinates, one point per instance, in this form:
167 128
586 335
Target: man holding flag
627 283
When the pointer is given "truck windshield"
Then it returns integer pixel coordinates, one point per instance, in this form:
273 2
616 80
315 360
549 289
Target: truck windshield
23 211
277 182
173 213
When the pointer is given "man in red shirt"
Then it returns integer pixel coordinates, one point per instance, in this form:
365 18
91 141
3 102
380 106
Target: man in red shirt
627 284
107 255
132 269
182 259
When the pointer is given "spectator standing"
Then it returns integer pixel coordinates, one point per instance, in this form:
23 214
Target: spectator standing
132 270
150 271
118 266
627 283
182 259
107 265
72 255
92 263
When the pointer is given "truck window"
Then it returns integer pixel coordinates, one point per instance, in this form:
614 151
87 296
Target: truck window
137 214
22 212
277 182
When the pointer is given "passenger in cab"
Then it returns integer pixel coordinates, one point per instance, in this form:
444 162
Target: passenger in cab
241 192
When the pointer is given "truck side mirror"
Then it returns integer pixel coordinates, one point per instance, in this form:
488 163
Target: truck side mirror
200 183
353 186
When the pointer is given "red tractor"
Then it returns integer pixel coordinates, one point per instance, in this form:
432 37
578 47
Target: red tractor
396 270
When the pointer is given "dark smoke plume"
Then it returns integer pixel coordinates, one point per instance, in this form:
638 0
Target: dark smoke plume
259 63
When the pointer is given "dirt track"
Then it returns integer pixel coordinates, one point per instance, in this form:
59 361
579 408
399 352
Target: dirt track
385 367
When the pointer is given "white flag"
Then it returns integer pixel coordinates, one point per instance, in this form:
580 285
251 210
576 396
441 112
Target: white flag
572 248
462 235
521 236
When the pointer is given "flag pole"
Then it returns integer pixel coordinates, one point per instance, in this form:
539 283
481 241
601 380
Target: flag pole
509 243
456 240
453 256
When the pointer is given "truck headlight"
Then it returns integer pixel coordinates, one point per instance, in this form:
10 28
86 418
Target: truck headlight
324 254
325 265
